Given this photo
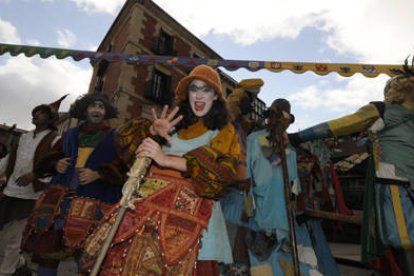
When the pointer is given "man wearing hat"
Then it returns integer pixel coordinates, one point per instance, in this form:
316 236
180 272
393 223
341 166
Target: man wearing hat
87 178
23 187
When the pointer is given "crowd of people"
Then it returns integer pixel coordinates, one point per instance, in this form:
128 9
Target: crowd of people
221 195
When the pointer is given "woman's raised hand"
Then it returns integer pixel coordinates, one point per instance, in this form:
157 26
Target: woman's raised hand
162 125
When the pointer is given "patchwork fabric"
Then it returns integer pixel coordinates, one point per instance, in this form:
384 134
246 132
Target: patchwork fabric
45 232
161 236
211 171
129 137
82 215
150 186
37 237
46 209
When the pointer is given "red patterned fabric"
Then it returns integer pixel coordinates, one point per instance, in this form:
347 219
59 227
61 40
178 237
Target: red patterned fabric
160 236
387 265
43 216
80 219
38 238
207 268
342 208
41 238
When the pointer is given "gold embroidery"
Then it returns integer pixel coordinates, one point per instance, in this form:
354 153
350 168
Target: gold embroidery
150 186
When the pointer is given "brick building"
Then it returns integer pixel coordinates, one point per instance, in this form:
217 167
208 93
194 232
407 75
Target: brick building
142 27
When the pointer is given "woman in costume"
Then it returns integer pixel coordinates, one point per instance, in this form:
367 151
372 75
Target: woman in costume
388 198
177 227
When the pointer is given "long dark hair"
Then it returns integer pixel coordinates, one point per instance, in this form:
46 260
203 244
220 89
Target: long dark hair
216 118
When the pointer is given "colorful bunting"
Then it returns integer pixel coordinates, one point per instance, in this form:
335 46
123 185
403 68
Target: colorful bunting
343 69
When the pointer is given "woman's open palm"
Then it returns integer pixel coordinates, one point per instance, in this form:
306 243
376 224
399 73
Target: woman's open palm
162 125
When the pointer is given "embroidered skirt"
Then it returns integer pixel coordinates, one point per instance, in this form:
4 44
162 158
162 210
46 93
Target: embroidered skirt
161 236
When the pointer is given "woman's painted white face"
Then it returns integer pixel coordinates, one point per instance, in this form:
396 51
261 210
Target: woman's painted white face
201 97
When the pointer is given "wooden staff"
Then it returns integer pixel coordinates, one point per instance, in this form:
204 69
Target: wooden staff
130 190
354 219
290 211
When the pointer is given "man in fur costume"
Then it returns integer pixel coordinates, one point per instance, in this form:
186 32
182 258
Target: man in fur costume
87 179
388 199
23 187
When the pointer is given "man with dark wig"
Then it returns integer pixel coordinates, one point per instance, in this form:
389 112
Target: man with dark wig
23 187
87 179
388 227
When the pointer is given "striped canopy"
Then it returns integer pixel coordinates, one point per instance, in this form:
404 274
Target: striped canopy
320 68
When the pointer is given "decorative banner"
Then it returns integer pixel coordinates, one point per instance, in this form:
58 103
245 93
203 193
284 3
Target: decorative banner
343 69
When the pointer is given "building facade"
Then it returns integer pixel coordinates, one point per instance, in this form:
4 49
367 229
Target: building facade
142 27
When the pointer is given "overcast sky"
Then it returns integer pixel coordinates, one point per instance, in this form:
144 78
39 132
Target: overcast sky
363 31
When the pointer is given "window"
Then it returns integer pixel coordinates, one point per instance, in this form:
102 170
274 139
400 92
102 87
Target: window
259 108
100 74
164 44
103 65
160 88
